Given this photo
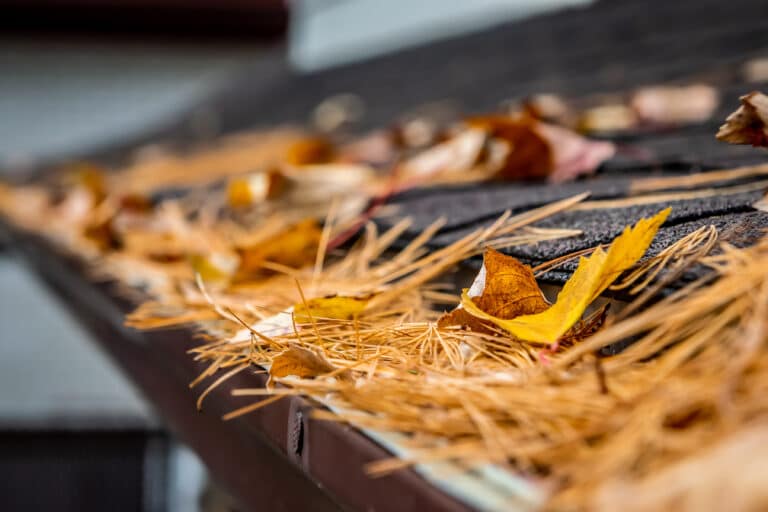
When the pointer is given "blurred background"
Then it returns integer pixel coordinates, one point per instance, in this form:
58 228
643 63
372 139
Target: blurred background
79 77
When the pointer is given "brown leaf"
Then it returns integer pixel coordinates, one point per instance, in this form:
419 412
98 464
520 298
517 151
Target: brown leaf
530 154
539 150
749 123
301 362
103 235
504 288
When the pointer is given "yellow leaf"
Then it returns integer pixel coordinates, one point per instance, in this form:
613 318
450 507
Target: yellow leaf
338 307
301 362
293 247
215 266
592 277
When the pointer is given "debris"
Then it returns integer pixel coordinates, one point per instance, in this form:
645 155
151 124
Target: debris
749 123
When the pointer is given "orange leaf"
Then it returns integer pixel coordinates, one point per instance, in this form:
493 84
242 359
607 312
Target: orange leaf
310 150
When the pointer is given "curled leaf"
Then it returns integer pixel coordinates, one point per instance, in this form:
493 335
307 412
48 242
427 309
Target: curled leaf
591 278
748 124
337 307
537 150
504 288
301 362
529 154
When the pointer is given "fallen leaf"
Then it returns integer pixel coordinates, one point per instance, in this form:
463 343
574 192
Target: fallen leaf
337 307
539 150
89 176
376 148
103 235
574 155
454 156
530 154
675 104
215 266
591 278
504 288
610 118
310 150
323 182
550 108
276 325
245 191
301 362
294 247
749 123
756 70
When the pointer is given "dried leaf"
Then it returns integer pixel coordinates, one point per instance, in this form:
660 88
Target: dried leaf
550 108
455 155
748 124
310 150
756 70
539 150
245 191
675 105
215 266
301 362
530 155
321 183
103 235
337 307
592 277
504 288
574 155
376 148
610 118
293 247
